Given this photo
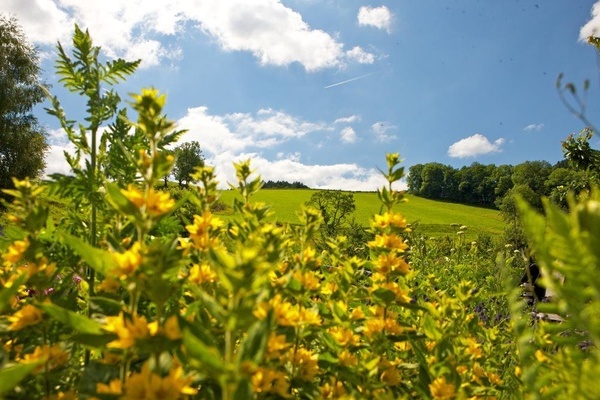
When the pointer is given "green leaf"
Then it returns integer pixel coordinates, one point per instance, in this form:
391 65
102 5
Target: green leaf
12 375
97 341
80 323
254 344
101 261
210 359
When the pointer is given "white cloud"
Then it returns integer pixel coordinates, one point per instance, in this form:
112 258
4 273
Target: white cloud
379 17
347 120
273 33
380 130
534 127
592 27
348 135
361 56
473 146
230 138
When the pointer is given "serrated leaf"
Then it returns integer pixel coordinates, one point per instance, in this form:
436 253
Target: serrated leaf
101 261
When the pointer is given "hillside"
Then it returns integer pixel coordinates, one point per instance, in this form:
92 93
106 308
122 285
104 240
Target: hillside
430 217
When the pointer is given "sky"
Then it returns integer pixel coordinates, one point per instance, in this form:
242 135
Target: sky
318 91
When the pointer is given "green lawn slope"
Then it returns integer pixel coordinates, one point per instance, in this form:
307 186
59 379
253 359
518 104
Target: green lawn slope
429 217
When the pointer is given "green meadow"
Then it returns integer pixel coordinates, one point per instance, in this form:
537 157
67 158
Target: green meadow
428 217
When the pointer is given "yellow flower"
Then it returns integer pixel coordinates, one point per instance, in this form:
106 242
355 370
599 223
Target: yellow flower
127 330
15 252
114 387
389 242
133 195
473 348
129 261
150 386
329 288
389 219
389 263
345 337
276 345
391 376
26 316
305 363
202 274
70 395
308 279
357 313
108 285
333 390
309 317
540 356
347 359
373 326
265 380
202 231
442 390
158 203
51 356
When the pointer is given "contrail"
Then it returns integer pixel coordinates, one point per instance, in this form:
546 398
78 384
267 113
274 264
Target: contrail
349 80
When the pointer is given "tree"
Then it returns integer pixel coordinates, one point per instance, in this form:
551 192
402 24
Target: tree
414 180
335 207
188 157
22 140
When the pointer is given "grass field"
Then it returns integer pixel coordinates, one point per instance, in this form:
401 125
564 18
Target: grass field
431 218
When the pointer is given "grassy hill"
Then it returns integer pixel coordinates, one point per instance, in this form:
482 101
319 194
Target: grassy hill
431 218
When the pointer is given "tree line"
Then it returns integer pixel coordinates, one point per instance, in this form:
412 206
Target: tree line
489 185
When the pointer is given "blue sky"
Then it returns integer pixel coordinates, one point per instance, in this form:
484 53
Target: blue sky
318 91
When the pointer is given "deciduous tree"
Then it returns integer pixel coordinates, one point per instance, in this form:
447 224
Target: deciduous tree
189 156
22 139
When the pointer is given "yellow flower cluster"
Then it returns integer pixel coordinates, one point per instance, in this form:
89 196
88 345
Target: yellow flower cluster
27 316
266 380
15 252
153 202
128 330
51 357
203 230
128 262
150 386
286 313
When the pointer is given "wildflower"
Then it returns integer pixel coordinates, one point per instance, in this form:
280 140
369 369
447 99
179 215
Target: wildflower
129 261
343 336
265 380
158 203
391 376
395 220
373 326
305 363
114 387
170 329
309 317
203 229
347 359
473 348
202 274
392 242
108 285
442 390
26 316
308 279
357 313
276 344
333 389
15 252
148 385
389 263
127 330
329 288
51 356
133 195
540 356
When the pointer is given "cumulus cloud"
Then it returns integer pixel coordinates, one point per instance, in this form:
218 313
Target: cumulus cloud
348 135
592 27
534 127
273 33
360 56
473 146
380 130
378 17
